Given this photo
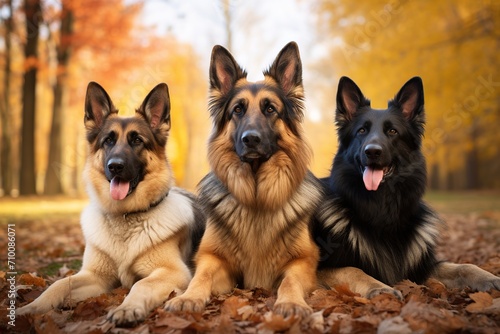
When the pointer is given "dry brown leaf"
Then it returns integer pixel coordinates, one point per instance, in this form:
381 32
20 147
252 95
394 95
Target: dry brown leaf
436 288
231 306
245 312
170 320
494 309
29 279
362 300
408 287
481 300
386 303
425 317
395 325
48 326
323 299
226 325
344 289
92 308
276 322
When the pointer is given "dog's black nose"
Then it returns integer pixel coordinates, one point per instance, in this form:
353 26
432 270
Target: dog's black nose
373 151
251 138
116 165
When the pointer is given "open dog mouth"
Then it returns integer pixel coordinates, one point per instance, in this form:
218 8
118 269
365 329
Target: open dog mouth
373 176
120 188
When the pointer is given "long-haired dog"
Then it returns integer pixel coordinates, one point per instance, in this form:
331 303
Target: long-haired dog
374 218
259 196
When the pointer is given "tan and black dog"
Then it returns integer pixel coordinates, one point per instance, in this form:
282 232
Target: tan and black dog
140 231
259 197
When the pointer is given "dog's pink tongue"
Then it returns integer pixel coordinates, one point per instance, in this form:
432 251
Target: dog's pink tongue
372 178
118 189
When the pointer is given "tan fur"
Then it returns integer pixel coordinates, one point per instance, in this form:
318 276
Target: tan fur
258 214
357 280
236 174
455 275
142 242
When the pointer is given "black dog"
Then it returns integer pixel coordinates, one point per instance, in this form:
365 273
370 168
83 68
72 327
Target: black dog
374 218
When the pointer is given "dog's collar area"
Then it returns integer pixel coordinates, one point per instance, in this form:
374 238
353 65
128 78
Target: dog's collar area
151 206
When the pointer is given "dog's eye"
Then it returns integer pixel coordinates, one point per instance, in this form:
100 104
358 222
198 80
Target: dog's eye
238 110
392 132
361 131
109 141
137 141
270 109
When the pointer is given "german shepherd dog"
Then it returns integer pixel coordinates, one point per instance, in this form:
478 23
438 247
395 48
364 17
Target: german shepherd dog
140 230
374 218
259 196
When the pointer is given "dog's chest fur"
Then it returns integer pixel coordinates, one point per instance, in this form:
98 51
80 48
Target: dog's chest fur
123 238
260 243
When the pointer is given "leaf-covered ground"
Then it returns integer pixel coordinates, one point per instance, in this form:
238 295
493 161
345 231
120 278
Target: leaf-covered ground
50 249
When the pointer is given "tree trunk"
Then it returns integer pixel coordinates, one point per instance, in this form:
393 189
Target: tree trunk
27 182
5 111
53 177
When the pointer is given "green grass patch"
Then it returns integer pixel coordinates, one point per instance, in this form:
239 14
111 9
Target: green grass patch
53 268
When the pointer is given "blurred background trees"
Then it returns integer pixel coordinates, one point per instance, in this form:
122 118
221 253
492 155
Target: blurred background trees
50 50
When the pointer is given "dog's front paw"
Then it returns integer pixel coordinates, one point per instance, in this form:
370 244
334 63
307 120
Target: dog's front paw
185 304
377 291
35 307
27 309
127 315
486 283
290 309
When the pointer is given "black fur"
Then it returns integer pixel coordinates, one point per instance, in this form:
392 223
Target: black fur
389 233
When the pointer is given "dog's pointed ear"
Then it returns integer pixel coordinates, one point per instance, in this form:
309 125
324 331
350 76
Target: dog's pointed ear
349 100
224 70
410 98
156 107
287 68
98 106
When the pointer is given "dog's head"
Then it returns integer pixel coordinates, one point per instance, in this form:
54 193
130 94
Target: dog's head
257 134
255 109
380 141
127 154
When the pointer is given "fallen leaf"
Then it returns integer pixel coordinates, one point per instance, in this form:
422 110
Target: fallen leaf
245 312
170 320
231 306
395 325
436 288
30 279
344 289
276 322
481 300
386 303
